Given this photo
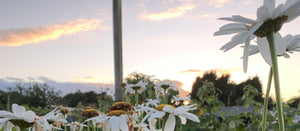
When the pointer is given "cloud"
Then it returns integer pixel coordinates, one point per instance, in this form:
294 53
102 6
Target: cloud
224 71
63 87
88 79
247 2
218 3
30 35
169 14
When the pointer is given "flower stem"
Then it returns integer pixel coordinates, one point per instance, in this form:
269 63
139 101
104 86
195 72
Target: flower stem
272 47
22 128
266 101
136 99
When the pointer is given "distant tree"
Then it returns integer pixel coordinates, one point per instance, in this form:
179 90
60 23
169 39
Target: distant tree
32 94
3 100
230 93
90 98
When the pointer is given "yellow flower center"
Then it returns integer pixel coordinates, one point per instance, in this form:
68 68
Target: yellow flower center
64 111
271 25
161 107
200 112
89 113
165 86
120 106
116 113
21 123
88 107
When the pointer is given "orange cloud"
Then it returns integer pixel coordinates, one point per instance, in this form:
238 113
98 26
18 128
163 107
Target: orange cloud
30 35
214 70
170 13
88 79
218 3
247 2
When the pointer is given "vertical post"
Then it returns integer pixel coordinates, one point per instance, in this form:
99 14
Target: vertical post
117 31
8 102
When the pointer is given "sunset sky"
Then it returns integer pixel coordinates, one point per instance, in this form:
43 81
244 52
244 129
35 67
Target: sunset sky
71 41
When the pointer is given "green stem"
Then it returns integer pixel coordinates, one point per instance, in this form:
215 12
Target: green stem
136 99
92 125
266 101
164 123
137 103
23 129
272 47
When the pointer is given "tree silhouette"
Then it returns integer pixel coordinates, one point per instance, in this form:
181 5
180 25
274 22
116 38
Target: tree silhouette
231 93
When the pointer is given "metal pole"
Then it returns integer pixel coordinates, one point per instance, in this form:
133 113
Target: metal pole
117 31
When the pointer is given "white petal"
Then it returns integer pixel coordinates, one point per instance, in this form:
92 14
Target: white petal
182 119
152 125
264 50
244 19
190 116
279 44
7 114
170 123
226 32
158 114
246 55
18 110
286 55
123 125
293 15
237 39
239 19
29 116
291 9
263 13
233 26
168 109
287 38
294 43
270 4
278 11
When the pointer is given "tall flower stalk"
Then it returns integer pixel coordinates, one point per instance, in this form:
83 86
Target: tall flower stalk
272 47
266 100
269 21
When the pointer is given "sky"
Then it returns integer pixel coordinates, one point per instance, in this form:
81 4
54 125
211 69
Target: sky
71 41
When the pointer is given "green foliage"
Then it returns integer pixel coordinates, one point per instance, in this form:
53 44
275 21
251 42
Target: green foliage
32 95
230 93
91 98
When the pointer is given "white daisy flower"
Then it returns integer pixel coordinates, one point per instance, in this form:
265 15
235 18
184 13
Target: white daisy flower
164 86
153 102
141 127
177 100
76 126
268 20
116 120
20 117
43 121
292 43
161 110
140 87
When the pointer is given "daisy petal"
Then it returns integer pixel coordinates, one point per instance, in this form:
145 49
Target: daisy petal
270 4
170 124
18 110
279 44
264 50
190 116
263 13
233 26
246 55
237 39
244 19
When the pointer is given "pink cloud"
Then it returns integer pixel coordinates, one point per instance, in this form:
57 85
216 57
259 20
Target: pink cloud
30 35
